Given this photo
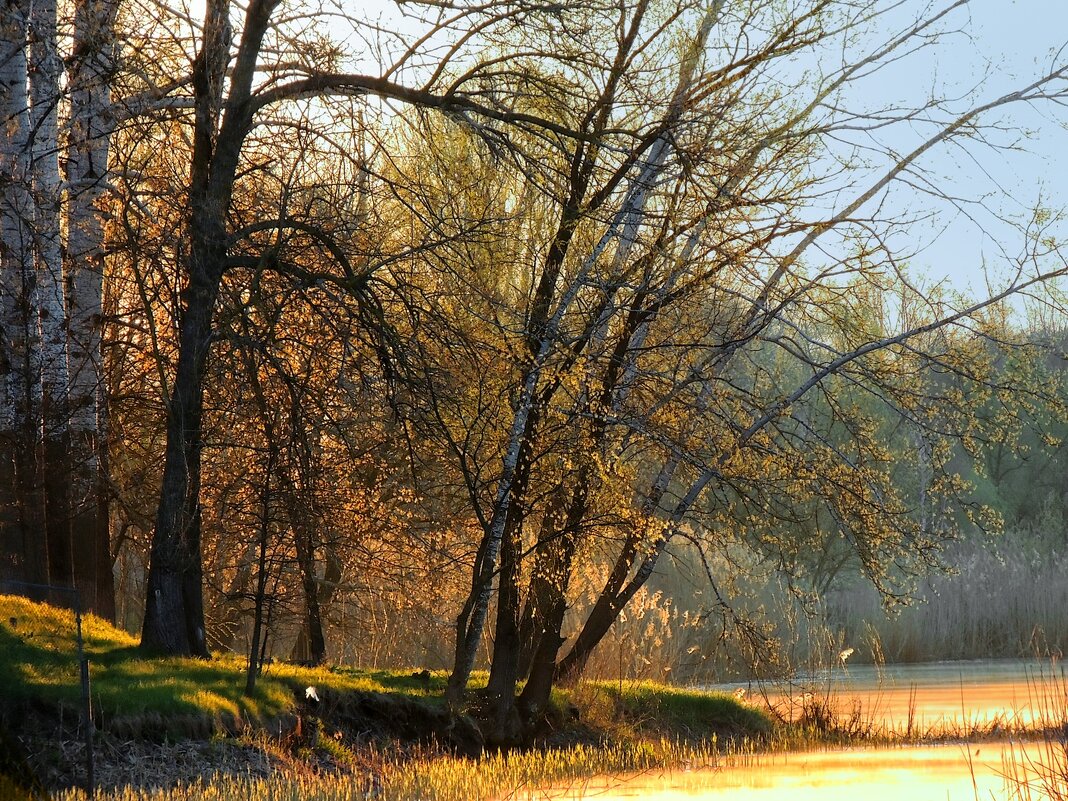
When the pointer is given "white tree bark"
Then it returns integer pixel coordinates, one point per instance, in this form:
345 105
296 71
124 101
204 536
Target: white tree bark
21 515
89 133
623 228
42 400
45 72
87 167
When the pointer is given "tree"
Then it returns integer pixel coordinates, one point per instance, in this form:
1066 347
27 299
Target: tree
232 87
713 254
26 553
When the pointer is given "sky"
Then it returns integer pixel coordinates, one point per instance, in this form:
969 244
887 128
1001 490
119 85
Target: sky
1009 43
1001 45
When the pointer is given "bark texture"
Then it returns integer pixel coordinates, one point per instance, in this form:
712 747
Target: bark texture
174 607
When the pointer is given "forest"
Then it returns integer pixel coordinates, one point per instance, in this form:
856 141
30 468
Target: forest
541 339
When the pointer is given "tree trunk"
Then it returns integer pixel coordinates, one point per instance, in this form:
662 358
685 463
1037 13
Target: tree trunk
299 495
37 426
174 607
259 635
472 617
504 667
45 68
228 619
551 597
541 337
533 619
91 125
22 516
311 630
610 603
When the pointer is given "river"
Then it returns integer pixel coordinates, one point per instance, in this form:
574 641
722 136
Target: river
932 697
997 698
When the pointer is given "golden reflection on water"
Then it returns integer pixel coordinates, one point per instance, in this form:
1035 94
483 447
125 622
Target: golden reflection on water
984 696
993 698
928 773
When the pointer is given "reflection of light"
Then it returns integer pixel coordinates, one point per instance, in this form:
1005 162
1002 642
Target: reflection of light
939 696
976 695
932 772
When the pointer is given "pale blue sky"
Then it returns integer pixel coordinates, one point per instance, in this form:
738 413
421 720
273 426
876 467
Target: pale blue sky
1007 44
1001 45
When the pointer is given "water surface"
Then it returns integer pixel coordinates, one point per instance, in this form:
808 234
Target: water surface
930 773
994 698
982 695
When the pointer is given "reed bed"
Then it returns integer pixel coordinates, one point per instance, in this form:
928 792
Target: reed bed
1003 597
1041 772
1006 598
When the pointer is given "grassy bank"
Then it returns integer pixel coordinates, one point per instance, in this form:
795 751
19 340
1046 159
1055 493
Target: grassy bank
134 694
167 720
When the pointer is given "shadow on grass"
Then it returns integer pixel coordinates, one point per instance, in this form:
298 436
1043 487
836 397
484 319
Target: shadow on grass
407 682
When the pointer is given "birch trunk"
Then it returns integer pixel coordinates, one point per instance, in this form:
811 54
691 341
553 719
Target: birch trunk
22 513
624 230
90 129
45 71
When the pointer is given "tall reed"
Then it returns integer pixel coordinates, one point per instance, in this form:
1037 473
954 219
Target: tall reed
1006 599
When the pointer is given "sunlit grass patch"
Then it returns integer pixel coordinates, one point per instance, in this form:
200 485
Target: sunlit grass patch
515 775
637 707
38 660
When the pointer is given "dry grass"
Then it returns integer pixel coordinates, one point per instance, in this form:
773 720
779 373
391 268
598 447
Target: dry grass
436 779
1041 772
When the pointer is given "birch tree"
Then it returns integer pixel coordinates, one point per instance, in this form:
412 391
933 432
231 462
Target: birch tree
25 547
93 65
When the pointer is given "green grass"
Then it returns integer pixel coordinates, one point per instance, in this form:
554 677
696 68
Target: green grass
639 709
38 661
636 725
695 712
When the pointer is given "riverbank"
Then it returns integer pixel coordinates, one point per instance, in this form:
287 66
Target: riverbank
163 723
183 729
